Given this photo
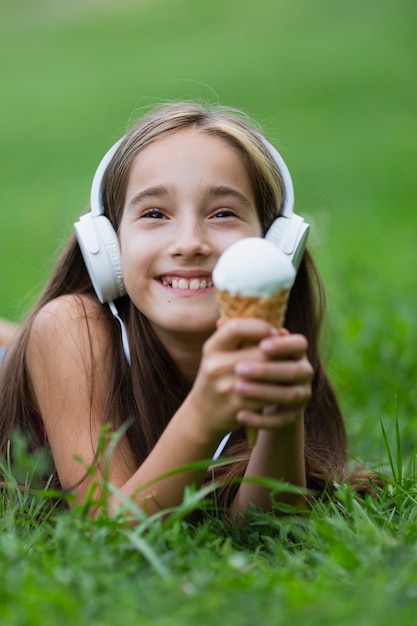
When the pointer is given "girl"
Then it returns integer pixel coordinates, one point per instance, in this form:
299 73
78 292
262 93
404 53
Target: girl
183 185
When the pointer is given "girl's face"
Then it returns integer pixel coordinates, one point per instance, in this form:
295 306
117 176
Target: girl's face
188 198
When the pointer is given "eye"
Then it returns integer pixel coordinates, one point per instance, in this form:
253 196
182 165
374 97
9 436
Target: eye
222 213
155 214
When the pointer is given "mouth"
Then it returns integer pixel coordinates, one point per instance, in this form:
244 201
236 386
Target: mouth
185 284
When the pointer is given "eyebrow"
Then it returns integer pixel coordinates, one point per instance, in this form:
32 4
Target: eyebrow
224 190
150 192
212 190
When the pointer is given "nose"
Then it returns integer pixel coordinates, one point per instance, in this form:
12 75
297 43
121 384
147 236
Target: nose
189 239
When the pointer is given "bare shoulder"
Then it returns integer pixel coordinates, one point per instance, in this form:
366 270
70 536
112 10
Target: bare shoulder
74 307
71 322
70 371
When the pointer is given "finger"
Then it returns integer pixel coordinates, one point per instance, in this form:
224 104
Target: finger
282 372
285 396
284 346
234 333
274 421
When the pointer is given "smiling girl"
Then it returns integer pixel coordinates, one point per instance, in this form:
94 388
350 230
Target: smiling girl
184 184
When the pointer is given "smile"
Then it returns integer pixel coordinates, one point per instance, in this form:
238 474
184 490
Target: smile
178 282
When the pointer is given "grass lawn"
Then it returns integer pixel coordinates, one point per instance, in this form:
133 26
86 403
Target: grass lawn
333 85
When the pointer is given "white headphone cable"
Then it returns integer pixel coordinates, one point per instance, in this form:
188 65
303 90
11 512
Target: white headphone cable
125 341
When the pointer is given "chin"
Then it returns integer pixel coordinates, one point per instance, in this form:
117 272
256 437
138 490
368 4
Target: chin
192 327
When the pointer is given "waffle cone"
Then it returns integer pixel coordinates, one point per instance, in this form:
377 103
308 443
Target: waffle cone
270 308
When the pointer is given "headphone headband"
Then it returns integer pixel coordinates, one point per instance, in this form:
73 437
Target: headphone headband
287 207
96 193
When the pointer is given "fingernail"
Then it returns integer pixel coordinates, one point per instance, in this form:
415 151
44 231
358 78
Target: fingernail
267 345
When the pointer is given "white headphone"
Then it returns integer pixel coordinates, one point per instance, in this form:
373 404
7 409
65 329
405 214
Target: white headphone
288 231
98 240
100 246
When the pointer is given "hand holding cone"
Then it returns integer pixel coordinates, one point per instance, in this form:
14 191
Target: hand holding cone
253 278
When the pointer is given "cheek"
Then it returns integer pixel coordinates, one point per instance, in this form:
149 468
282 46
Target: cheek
138 264
253 229
131 260
257 226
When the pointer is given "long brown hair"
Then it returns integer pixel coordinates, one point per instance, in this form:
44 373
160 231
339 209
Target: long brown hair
150 390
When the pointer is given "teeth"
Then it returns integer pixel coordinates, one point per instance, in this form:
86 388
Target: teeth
195 284
182 283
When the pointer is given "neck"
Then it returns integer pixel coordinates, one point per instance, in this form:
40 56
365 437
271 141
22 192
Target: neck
185 349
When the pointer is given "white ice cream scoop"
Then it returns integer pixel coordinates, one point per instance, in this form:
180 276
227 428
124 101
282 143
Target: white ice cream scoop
253 267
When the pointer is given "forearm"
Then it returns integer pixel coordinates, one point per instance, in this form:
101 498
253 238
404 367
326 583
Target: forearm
160 482
277 455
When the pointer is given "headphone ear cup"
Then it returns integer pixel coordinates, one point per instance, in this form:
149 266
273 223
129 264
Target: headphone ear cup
101 252
290 235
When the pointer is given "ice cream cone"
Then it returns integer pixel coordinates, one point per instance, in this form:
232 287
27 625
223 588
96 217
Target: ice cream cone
269 308
253 278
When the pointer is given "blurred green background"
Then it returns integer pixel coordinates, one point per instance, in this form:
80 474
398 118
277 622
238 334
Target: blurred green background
334 86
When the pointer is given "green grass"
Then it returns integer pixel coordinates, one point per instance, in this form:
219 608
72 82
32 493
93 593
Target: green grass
346 562
334 86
